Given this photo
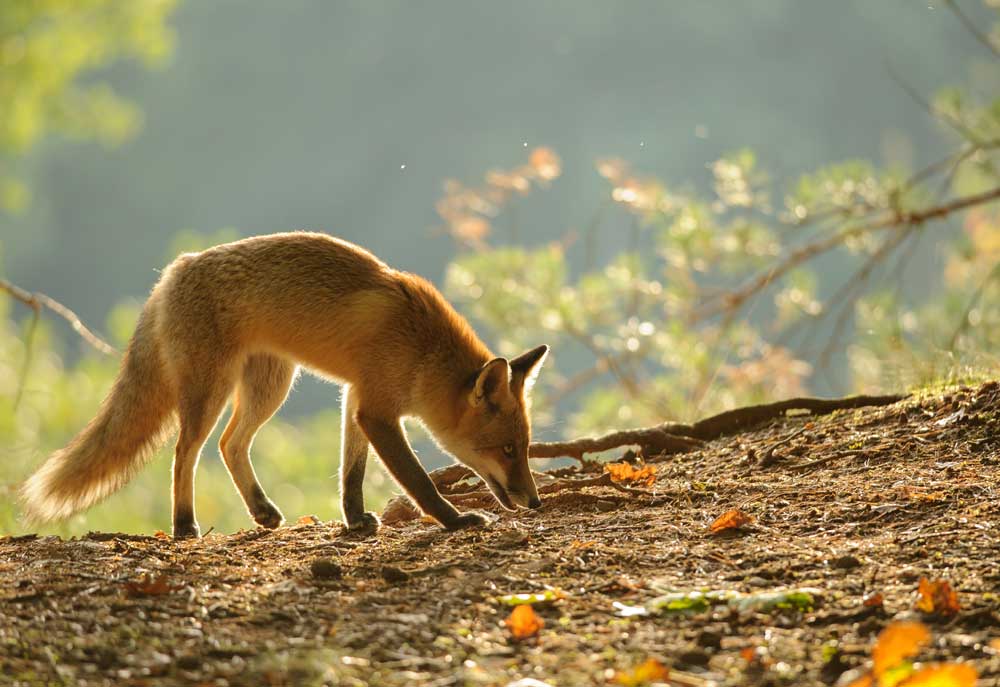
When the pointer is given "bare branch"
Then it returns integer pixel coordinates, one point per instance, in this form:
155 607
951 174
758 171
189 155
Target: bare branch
972 28
733 300
37 301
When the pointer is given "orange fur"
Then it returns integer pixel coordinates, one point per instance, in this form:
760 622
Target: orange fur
237 320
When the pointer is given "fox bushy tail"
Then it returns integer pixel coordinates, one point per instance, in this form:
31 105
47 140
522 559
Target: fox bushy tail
134 420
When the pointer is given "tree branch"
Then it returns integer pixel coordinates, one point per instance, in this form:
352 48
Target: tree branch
37 301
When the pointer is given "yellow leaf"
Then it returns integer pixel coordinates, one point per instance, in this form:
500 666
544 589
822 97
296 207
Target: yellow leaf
938 597
649 671
943 675
897 643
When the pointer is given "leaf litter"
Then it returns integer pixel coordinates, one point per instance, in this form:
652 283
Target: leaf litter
312 604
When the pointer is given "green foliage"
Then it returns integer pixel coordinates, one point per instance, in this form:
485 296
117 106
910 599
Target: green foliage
48 52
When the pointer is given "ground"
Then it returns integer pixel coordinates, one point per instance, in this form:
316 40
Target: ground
855 504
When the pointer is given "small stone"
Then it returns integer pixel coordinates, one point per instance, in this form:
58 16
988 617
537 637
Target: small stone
325 569
188 662
695 657
709 639
846 562
391 573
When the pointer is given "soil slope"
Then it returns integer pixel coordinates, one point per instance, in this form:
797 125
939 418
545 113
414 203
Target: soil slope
854 504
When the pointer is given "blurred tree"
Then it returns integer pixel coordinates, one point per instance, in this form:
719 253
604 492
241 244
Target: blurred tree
50 50
714 302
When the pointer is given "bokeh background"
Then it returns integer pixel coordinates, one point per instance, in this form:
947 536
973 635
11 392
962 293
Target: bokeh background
132 131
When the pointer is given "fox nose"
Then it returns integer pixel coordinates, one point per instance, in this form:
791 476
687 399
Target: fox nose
534 502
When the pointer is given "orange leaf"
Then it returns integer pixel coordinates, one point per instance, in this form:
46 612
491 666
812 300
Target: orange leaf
995 644
523 622
649 671
730 520
873 600
943 675
307 520
150 586
938 597
160 534
896 643
623 472
748 653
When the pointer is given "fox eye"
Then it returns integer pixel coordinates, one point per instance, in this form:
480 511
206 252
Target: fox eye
508 450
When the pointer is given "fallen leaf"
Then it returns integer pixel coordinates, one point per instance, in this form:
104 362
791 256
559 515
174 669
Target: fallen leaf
873 600
523 622
627 474
897 643
548 596
730 520
148 585
995 644
748 653
649 671
943 675
937 597
160 534
626 611
307 520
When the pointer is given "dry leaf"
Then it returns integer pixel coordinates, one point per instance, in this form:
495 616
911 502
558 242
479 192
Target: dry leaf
523 622
873 600
307 520
730 520
626 473
995 644
150 586
943 675
160 534
748 653
896 643
649 671
938 597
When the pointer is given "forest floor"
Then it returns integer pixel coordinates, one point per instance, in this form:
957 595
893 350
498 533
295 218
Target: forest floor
856 506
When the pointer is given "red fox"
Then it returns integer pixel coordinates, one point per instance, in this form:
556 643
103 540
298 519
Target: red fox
238 320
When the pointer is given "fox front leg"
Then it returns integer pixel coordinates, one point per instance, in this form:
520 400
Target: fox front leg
390 443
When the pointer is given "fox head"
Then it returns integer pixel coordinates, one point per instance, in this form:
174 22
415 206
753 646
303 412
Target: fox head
494 428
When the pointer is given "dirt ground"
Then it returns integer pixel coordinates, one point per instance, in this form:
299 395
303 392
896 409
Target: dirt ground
855 504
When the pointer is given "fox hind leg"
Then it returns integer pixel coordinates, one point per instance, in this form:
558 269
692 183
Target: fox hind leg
201 402
353 460
263 387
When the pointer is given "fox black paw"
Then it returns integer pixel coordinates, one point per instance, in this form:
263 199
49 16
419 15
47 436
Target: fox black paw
186 530
472 518
268 516
365 523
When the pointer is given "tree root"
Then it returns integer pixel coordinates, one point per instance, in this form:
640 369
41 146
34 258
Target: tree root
670 438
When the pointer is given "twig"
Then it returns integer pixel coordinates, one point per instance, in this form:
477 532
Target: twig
768 459
972 28
37 301
963 322
733 300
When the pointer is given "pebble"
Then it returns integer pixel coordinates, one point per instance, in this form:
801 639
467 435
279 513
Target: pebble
325 569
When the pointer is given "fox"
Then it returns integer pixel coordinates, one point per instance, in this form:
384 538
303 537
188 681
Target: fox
239 321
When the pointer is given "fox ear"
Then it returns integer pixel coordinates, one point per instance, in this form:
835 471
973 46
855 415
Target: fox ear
525 368
494 377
